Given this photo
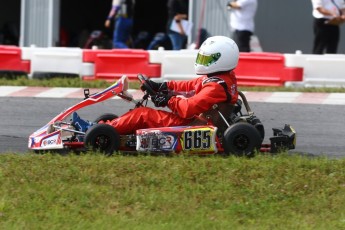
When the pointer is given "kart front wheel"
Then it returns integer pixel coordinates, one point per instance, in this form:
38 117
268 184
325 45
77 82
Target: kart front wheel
241 139
105 117
103 138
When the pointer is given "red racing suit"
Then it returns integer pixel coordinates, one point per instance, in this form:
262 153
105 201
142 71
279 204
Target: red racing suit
190 99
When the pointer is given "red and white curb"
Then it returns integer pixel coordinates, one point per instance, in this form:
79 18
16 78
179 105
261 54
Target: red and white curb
269 97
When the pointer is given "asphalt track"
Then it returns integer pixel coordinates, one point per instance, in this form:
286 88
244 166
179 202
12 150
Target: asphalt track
319 125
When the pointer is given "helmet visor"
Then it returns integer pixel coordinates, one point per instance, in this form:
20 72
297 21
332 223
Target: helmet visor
207 60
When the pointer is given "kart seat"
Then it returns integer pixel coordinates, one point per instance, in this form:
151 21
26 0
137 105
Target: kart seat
225 108
237 107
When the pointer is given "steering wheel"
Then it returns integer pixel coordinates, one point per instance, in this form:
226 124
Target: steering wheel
144 80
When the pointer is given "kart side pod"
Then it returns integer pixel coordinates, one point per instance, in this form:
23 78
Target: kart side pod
178 139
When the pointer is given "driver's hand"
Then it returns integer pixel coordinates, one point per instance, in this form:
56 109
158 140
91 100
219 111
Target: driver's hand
161 99
157 87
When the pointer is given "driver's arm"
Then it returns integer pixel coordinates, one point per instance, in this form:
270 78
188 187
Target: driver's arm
210 94
185 85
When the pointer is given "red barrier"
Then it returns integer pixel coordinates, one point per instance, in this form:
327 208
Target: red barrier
265 69
11 59
112 64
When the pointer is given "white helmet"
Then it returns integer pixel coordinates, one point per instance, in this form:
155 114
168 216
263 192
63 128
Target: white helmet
216 54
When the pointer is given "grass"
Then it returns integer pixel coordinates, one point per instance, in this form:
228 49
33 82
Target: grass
54 82
77 82
92 191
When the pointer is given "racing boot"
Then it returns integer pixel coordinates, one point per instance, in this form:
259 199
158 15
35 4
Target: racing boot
80 124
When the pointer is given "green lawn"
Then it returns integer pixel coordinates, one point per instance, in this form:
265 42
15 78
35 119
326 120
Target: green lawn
92 191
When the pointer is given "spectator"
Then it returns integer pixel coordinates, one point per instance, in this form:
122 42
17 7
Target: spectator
122 14
177 11
242 14
328 15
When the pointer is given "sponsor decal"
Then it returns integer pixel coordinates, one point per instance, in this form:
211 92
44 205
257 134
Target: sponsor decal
53 140
31 142
156 141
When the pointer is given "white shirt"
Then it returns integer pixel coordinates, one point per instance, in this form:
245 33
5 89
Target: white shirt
328 5
116 2
243 18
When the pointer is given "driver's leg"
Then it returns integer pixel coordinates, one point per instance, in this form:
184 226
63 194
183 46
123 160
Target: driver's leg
80 124
145 117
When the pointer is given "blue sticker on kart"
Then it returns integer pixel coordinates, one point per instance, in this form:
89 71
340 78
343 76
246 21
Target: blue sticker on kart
199 140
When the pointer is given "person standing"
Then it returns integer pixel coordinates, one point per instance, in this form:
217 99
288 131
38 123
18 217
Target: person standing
177 11
122 12
328 15
242 14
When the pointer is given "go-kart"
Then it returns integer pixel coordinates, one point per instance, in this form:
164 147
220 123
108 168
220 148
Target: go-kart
242 133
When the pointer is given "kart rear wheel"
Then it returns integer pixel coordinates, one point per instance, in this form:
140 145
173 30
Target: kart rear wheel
105 117
103 138
241 139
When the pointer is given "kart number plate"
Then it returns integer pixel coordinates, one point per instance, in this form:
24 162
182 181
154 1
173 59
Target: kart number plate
200 140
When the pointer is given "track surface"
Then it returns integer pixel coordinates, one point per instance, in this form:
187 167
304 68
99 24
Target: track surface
317 118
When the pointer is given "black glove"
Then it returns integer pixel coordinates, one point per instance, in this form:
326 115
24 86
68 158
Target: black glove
157 87
161 99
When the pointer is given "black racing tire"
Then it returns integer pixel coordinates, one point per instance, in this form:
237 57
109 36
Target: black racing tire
241 139
260 128
103 138
106 117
